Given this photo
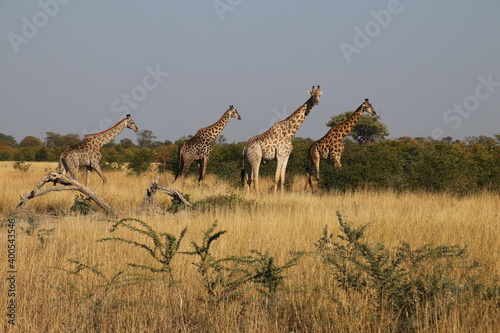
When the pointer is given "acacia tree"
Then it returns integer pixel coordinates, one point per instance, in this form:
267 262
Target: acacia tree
367 129
145 139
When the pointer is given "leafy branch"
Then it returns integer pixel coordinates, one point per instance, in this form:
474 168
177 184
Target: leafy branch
164 245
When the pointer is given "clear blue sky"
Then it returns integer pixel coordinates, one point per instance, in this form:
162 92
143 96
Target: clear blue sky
430 68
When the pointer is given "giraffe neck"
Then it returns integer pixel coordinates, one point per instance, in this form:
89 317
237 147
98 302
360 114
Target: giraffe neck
293 122
212 131
100 139
345 127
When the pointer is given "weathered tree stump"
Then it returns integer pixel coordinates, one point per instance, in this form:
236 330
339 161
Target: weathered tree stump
150 195
68 184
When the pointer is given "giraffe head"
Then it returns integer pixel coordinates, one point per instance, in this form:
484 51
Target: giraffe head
315 94
233 112
367 107
131 124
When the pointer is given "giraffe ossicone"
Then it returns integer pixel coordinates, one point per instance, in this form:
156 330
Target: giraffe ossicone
331 145
87 152
199 147
276 144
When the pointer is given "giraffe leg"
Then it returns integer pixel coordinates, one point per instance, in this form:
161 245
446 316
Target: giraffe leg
203 170
245 173
248 173
247 180
88 174
61 168
336 161
68 164
181 166
72 168
316 175
313 169
255 177
277 175
97 168
253 157
186 163
283 174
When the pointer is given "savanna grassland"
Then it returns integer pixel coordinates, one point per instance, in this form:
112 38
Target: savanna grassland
426 262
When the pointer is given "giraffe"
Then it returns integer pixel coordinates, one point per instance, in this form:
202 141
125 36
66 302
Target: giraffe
331 146
276 144
86 153
199 147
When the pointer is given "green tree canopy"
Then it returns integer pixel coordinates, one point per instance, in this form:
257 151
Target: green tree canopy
367 129
483 140
127 143
7 140
62 141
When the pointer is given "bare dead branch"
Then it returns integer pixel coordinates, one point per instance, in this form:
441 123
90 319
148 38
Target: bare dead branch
68 184
150 195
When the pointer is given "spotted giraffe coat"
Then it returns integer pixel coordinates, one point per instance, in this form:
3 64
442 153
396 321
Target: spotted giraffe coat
87 152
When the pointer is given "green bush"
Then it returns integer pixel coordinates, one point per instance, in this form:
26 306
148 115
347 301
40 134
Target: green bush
161 246
413 165
140 161
212 203
224 279
226 162
401 282
81 205
229 201
229 278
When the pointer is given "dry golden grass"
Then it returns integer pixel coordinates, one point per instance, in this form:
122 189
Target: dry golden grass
278 224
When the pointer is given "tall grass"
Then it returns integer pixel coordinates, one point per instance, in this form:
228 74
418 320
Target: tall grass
53 296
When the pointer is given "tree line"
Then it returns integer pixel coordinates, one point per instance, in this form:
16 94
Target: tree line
369 159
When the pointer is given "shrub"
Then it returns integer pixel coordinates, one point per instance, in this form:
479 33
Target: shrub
162 247
229 201
140 161
92 286
33 228
81 205
227 279
400 282
21 166
177 204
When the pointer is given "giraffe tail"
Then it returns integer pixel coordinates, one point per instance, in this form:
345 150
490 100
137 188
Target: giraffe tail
181 165
60 168
243 167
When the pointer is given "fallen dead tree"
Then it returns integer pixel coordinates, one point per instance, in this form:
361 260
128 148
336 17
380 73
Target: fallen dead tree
150 195
68 184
